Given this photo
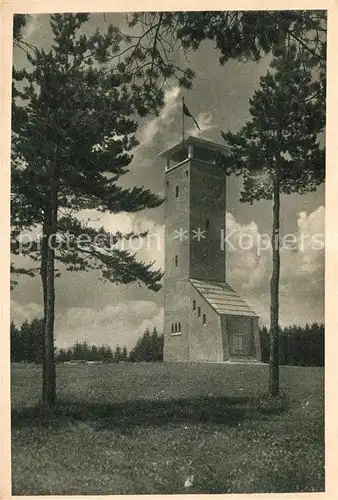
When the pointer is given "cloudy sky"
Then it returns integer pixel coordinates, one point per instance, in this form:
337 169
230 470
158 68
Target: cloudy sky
87 309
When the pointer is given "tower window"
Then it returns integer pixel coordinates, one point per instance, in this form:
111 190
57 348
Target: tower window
199 312
194 305
167 183
207 224
176 329
176 260
186 173
176 191
204 319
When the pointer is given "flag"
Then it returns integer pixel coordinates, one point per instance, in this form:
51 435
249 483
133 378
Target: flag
186 112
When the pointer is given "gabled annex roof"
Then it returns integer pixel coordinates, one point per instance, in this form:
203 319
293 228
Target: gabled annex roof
222 298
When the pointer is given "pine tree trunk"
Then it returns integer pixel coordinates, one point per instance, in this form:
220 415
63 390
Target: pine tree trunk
43 273
48 276
274 296
48 385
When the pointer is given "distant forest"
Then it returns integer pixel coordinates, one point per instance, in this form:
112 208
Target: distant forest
298 346
27 346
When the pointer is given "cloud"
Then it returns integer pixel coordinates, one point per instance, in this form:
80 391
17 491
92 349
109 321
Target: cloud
205 123
33 24
21 312
167 114
123 319
311 240
121 324
249 267
245 262
121 221
148 249
151 248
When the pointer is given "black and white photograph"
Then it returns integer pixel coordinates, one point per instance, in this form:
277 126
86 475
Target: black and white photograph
167 217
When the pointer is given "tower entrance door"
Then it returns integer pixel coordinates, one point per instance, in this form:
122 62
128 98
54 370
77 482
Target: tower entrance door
240 335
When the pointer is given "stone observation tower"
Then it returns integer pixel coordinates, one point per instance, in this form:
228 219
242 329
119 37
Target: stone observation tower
204 318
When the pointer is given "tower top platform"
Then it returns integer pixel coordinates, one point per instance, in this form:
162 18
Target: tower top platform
193 147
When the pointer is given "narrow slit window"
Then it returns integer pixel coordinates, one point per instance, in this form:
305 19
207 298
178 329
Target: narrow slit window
176 260
172 328
199 312
207 224
194 305
176 191
175 327
167 183
204 319
179 327
186 173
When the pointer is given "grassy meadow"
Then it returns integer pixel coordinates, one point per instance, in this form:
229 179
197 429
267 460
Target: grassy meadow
147 428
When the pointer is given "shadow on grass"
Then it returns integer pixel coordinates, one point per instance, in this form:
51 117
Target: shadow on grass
222 410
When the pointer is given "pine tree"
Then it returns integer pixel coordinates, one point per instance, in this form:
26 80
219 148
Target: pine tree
27 341
278 151
17 348
117 355
242 35
62 356
124 354
109 355
37 329
74 127
148 348
19 22
94 353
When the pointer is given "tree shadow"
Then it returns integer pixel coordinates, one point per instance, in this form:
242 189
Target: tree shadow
146 413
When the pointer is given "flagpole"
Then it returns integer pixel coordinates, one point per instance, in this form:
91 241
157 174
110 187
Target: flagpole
183 121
